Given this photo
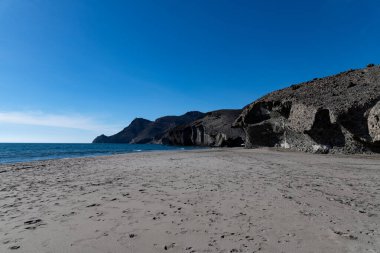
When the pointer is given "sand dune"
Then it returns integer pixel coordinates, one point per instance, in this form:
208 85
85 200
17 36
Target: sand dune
220 200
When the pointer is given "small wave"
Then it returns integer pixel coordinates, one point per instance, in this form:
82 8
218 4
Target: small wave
137 150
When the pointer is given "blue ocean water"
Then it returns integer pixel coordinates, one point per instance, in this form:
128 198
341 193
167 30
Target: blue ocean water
24 152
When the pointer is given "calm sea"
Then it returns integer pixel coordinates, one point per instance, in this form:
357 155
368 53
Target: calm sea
19 152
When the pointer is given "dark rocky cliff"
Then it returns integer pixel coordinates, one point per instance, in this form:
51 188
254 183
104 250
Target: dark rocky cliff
127 134
334 114
215 129
145 131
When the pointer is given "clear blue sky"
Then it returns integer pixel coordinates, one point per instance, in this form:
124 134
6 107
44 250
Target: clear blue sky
73 69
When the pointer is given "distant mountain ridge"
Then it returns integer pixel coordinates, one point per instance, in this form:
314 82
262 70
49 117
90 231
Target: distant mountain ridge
142 131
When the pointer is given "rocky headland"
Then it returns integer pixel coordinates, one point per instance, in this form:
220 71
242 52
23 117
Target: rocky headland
142 131
335 114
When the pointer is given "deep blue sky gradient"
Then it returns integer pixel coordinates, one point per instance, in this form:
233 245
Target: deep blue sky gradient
116 60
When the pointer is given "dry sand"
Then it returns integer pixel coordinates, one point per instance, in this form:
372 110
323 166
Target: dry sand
222 200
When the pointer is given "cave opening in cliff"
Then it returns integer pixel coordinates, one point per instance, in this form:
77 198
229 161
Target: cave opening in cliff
324 132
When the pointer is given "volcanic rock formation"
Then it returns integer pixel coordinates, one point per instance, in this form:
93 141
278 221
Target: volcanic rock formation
334 114
215 129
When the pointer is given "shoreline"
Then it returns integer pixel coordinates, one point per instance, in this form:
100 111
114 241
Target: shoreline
375 156
135 148
206 200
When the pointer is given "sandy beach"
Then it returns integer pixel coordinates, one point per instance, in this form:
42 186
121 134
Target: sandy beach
215 200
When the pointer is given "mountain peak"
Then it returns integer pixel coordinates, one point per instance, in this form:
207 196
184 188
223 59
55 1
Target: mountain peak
141 130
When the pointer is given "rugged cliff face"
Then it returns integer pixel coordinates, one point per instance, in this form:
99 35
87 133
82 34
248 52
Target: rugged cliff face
334 114
154 132
215 129
145 131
